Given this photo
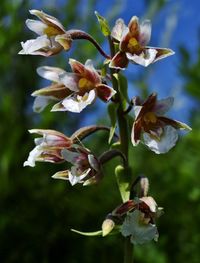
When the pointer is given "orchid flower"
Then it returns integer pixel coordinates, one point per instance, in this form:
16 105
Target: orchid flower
52 37
159 132
48 147
133 40
74 91
86 168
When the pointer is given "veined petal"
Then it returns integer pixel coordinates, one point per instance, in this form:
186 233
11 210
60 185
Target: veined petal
76 66
166 142
105 92
119 61
36 26
75 103
161 53
50 73
47 19
134 27
144 59
52 138
33 46
63 175
119 30
70 80
70 156
145 32
150 202
53 92
91 73
163 106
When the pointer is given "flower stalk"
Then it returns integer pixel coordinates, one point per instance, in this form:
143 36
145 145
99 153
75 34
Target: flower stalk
124 143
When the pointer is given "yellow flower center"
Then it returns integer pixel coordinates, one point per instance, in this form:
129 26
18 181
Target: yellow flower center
133 45
85 84
150 117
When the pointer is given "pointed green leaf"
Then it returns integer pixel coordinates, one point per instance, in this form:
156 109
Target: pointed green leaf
103 24
123 89
112 111
123 178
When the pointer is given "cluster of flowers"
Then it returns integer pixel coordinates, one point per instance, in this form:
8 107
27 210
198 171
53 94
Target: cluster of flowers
74 91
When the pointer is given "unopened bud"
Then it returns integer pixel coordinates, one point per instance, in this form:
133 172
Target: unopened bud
144 184
107 226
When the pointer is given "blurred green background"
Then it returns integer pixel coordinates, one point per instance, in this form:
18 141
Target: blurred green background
36 212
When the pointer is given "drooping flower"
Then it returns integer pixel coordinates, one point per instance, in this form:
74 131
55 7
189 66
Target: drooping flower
48 147
55 147
133 40
52 37
85 166
159 132
74 90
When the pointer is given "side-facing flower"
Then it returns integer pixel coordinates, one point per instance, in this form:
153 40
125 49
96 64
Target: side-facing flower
74 90
133 40
85 168
52 37
159 132
48 147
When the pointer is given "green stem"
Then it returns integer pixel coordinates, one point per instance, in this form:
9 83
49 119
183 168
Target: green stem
123 131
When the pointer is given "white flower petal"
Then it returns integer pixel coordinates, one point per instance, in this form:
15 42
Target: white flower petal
78 103
69 80
145 32
74 178
144 59
36 26
166 142
119 30
50 73
33 156
32 46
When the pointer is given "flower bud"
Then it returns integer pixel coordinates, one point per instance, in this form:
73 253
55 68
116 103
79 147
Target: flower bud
107 226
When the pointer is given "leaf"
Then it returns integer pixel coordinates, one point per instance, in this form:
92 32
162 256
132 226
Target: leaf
123 89
112 111
140 232
103 24
89 234
123 178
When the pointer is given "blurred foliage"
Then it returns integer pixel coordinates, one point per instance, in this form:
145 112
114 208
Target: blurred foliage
38 212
